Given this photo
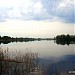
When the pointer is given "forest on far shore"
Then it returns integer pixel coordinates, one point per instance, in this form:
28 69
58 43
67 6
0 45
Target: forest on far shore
59 39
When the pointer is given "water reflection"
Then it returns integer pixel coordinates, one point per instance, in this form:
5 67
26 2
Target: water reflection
59 66
59 42
45 48
54 59
62 42
7 42
30 64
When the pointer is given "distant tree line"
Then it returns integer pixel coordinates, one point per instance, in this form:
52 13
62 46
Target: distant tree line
8 39
59 39
65 39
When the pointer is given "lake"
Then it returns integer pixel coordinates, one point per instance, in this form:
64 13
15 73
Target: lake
44 48
58 59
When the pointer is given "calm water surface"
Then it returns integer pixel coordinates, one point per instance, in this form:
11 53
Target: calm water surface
58 59
44 48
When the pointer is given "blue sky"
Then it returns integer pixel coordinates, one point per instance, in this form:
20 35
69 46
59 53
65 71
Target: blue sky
36 10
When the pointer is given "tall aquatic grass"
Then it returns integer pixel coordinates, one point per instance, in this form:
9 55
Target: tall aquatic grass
19 64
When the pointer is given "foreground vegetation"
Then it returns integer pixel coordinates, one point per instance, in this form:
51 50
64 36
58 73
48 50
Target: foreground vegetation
20 64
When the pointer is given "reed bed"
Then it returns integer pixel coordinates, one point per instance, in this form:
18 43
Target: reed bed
19 64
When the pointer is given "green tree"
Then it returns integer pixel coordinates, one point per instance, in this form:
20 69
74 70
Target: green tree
6 37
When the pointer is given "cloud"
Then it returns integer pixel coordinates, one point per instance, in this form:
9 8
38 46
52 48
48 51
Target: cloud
61 9
3 14
65 11
38 10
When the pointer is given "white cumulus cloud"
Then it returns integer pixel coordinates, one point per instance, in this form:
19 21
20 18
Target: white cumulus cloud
37 10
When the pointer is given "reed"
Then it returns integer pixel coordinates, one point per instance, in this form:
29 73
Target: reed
20 64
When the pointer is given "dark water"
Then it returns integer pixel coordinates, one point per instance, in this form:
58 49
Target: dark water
56 59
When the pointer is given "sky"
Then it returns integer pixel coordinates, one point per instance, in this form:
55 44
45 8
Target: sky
37 18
